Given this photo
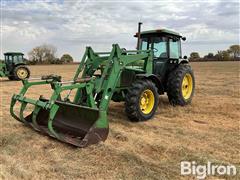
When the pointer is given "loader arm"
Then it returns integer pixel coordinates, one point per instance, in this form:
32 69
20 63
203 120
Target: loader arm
83 121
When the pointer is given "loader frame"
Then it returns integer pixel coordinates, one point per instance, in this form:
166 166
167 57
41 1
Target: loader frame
98 89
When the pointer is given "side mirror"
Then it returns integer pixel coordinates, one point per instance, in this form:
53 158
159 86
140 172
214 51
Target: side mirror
184 38
184 57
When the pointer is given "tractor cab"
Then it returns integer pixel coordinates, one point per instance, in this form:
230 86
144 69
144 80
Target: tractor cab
12 59
166 46
164 43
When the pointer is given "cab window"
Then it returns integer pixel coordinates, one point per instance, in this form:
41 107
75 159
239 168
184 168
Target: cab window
160 47
20 58
15 58
9 58
174 45
144 44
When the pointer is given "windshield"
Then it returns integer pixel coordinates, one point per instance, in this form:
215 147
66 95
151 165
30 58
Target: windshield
160 47
17 58
158 44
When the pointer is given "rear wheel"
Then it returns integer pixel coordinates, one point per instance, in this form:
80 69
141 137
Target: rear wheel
181 85
141 100
21 72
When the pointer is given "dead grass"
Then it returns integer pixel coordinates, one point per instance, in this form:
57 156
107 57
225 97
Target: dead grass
207 130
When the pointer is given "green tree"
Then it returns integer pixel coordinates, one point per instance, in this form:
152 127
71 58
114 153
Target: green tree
226 55
194 56
209 56
66 58
235 50
223 56
56 61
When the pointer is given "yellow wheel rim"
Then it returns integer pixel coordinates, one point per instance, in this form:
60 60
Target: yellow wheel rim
22 73
187 86
146 101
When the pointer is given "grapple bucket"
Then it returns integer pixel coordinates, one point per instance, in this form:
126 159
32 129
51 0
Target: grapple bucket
71 123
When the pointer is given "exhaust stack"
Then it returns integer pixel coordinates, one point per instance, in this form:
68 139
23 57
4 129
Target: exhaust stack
139 35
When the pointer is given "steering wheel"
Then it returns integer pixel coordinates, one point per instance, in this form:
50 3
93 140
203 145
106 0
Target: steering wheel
155 50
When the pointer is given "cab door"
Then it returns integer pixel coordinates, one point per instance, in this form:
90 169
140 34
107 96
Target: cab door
9 62
160 49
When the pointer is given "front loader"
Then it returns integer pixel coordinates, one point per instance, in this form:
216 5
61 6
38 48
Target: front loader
137 77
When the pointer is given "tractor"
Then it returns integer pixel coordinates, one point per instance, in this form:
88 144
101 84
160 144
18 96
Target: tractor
14 66
136 77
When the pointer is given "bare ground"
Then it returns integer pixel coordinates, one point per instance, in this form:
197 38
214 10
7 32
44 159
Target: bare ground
206 130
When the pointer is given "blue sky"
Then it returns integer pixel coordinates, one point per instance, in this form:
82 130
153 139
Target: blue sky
71 25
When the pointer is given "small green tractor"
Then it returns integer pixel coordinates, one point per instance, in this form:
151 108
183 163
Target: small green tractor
14 66
136 77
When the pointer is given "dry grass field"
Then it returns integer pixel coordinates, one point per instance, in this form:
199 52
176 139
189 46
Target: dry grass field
206 130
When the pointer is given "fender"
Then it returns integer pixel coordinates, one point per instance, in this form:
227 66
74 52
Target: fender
20 64
155 79
183 61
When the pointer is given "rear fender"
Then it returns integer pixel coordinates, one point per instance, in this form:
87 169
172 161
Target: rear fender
19 64
183 61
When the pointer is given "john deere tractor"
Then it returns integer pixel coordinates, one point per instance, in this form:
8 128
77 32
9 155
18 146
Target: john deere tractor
14 66
137 77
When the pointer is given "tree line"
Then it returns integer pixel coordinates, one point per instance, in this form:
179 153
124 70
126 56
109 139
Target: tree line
46 54
231 54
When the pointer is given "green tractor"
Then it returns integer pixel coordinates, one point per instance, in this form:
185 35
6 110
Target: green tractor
14 66
136 77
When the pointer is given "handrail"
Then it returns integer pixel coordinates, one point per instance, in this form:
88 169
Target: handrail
102 52
137 51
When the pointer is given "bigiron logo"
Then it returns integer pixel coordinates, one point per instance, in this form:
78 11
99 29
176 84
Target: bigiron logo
201 171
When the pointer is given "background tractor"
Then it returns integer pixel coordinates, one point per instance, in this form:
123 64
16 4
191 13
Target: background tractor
137 77
14 66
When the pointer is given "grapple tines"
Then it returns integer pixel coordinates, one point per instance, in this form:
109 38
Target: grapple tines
69 123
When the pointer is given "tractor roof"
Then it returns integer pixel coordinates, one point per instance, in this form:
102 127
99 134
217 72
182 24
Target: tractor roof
13 53
159 31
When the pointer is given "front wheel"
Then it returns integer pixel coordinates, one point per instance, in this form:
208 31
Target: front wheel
21 72
141 100
181 85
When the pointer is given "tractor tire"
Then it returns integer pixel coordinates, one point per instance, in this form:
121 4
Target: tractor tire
21 72
181 85
141 100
